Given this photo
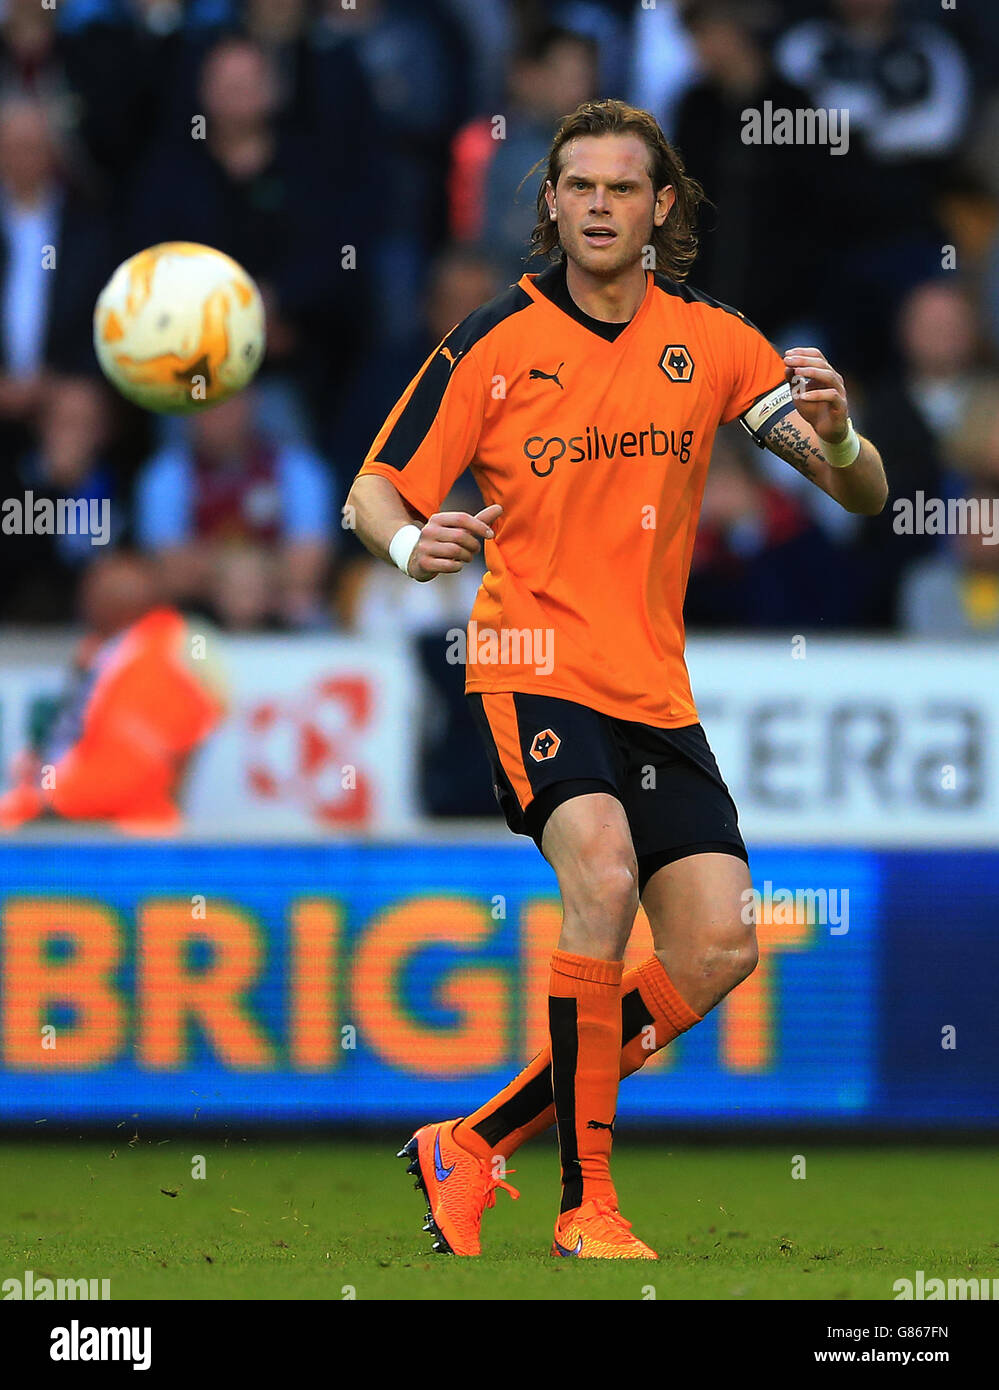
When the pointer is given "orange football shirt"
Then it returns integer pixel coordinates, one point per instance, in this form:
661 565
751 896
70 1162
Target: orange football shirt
595 439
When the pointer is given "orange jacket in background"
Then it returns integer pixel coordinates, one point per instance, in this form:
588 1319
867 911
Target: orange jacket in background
151 705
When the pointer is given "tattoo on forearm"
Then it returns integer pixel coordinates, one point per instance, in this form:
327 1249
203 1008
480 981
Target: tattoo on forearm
787 442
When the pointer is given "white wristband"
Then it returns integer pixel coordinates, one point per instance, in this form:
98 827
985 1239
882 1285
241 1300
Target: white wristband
402 545
846 452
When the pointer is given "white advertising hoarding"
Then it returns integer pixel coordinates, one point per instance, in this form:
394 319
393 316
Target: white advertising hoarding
824 740
319 736
821 741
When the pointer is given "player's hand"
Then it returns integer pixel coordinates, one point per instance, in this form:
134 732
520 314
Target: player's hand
449 540
819 393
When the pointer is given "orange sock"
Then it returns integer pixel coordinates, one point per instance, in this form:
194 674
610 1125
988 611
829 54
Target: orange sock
652 1015
584 1027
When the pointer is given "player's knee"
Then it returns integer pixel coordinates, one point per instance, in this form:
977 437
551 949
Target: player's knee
608 888
615 887
601 898
729 956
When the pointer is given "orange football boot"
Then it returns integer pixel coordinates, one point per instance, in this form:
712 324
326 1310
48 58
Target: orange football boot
458 1187
597 1231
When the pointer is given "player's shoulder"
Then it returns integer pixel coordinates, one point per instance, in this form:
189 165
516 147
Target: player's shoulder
486 320
721 316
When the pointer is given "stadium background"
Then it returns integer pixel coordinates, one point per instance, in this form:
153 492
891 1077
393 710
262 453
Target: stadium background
339 930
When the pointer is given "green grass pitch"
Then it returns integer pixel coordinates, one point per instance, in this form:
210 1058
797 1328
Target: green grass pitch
323 1219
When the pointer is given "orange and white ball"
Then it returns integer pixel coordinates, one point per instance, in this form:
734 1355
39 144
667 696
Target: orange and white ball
179 327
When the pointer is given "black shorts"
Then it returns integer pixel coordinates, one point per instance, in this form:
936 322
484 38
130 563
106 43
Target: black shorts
544 751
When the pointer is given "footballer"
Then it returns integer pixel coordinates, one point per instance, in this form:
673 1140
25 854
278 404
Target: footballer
585 400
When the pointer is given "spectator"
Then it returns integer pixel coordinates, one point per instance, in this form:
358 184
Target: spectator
92 79
607 24
258 193
234 488
459 280
28 60
417 66
906 88
489 31
376 601
39 574
280 28
905 84
919 412
240 587
974 446
373 597
379 603
923 407
759 561
54 260
750 258
664 62
138 705
171 39
321 88
550 74
955 593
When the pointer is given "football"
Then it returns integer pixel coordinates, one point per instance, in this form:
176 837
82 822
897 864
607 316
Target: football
179 327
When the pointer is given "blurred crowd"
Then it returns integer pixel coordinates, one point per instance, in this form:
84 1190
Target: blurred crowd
353 162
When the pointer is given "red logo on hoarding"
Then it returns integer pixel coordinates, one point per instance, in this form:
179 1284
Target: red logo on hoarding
303 750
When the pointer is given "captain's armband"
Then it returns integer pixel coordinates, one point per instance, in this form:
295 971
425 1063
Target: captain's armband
764 413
